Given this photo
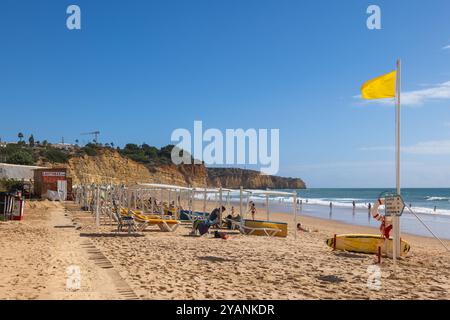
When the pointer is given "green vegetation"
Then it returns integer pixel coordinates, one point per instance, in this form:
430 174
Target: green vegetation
147 154
31 141
55 155
22 157
90 149
17 154
35 152
10 185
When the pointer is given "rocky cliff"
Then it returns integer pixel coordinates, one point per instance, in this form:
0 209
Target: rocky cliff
234 178
108 166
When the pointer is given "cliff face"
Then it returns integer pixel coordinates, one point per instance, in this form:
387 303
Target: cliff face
107 167
111 167
234 178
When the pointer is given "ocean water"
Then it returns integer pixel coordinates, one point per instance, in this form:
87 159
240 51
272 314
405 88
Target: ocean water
421 201
432 206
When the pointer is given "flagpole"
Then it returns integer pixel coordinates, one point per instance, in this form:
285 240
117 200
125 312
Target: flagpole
396 219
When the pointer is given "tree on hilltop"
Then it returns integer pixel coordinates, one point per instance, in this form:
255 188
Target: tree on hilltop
31 141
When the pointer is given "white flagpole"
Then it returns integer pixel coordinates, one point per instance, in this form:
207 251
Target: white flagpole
396 219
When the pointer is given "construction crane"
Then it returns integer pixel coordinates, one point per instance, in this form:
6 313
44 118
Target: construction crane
94 133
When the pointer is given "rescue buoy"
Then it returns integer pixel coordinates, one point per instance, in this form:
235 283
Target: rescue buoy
375 213
385 226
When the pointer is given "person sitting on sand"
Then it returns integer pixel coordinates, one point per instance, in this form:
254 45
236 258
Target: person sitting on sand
300 228
200 227
203 226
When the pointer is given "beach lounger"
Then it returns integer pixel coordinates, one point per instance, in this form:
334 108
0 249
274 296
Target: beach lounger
128 222
258 229
126 212
187 216
166 225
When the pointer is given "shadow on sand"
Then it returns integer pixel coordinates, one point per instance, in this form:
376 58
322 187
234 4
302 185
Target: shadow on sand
350 255
215 259
110 235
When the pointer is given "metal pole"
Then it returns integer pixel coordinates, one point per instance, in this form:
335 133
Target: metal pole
97 209
162 207
204 202
193 204
220 205
396 219
241 190
295 213
248 203
177 203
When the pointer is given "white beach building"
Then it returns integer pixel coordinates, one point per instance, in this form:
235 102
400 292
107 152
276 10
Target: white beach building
17 172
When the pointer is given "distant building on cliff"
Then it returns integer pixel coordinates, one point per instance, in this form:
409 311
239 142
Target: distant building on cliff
63 146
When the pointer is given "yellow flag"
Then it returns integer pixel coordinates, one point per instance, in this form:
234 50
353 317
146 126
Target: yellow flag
380 87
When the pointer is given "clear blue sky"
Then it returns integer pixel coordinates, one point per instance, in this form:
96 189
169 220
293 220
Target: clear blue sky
139 69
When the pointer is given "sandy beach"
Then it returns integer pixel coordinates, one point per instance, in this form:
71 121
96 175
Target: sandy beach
36 253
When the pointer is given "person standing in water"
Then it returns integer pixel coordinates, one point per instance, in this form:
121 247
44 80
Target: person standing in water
354 206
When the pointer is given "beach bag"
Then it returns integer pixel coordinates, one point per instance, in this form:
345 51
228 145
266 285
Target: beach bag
220 235
203 228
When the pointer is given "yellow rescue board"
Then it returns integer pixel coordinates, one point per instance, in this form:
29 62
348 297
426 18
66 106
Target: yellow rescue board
365 243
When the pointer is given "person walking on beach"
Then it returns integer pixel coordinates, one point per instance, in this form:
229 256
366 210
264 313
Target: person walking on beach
354 206
252 209
331 208
434 208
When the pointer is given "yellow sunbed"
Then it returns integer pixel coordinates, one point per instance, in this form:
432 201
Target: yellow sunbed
167 225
